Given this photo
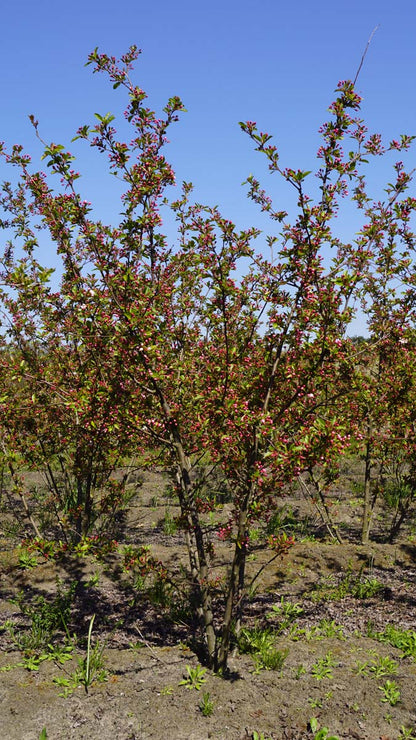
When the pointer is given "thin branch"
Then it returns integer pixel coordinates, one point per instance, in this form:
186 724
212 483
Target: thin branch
365 52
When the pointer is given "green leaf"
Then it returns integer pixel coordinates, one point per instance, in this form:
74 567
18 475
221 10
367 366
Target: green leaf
314 724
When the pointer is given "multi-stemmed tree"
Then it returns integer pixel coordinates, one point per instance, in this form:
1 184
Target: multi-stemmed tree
220 356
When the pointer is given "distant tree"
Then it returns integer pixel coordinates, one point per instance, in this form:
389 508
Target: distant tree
63 407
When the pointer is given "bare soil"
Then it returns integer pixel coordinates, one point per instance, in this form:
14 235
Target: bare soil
147 651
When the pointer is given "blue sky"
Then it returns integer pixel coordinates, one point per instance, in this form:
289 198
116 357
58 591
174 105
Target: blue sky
229 60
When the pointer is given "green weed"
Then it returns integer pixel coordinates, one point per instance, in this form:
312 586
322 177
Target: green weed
195 677
405 640
90 667
270 660
320 734
160 592
361 668
315 703
322 668
300 671
254 535
286 612
383 666
329 628
27 560
391 693
93 580
46 617
366 588
170 525
325 628
352 584
285 520
32 662
260 643
407 733
255 640
206 705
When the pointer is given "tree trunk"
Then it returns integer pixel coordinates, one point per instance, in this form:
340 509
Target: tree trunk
368 502
235 587
197 551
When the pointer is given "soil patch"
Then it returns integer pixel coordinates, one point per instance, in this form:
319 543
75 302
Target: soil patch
340 663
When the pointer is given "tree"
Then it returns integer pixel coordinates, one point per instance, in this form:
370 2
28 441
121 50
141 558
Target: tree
385 375
231 360
61 403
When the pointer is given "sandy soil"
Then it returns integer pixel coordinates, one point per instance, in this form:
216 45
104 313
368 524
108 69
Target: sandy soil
146 657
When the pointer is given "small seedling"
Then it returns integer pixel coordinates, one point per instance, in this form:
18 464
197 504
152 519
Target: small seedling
352 584
300 671
315 703
320 734
43 735
27 560
170 525
6 668
286 612
329 628
391 693
383 666
195 678
254 535
60 653
32 662
405 640
67 684
361 669
47 617
322 668
270 660
367 588
407 733
206 705
260 643
138 645
93 580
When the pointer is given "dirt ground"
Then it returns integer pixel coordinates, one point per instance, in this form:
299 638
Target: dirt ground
336 668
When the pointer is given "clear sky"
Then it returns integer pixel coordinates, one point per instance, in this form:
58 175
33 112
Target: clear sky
273 62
